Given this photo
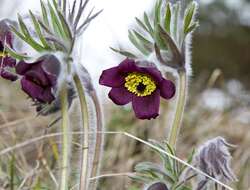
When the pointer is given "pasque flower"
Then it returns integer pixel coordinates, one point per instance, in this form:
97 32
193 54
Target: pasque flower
39 79
157 186
6 62
140 83
214 159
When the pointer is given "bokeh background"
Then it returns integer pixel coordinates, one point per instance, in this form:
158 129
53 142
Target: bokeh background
218 104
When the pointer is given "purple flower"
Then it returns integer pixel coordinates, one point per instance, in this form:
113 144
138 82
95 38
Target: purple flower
6 62
39 79
141 85
157 186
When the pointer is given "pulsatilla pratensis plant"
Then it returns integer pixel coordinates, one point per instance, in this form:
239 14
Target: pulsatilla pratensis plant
163 46
52 76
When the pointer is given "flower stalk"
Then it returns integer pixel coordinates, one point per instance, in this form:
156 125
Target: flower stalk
180 107
99 139
85 122
65 144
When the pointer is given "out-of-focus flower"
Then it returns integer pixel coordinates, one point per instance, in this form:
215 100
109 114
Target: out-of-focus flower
157 186
141 85
6 62
39 79
214 159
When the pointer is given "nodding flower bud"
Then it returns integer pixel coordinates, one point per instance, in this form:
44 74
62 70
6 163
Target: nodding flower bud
157 186
39 79
214 159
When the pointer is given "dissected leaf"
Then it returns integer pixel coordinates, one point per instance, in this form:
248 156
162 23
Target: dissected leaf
124 53
44 13
137 44
168 16
189 16
149 26
39 32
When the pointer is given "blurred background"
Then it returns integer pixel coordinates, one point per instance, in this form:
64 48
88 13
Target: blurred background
218 104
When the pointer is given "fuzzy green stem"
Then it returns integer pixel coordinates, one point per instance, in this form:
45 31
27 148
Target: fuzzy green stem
180 106
85 120
65 144
99 140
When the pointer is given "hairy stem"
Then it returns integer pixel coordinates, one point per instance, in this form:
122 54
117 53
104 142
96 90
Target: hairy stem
85 120
180 106
65 139
99 140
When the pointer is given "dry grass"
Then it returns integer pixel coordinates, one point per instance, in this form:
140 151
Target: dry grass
35 165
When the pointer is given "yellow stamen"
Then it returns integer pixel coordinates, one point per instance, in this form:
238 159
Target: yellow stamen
2 54
140 84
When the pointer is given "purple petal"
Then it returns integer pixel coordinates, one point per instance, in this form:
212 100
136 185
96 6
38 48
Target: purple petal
22 67
167 89
32 89
46 96
9 76
111 77
157 186
52 67
120 96
127 66
37 75
8 61
147 107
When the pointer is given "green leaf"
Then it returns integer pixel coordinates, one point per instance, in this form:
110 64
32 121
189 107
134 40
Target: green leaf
189 16
149 167
65 26
146 42
26 36
39 32
158 6
56 22
44 13
137 44
168 18
142 25
189 160
124 53
176 19
147 22
12 53
192 27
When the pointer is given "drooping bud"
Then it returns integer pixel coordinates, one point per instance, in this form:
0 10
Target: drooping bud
214 159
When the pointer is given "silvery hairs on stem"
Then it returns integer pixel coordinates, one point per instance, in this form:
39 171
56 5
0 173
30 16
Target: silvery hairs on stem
214 158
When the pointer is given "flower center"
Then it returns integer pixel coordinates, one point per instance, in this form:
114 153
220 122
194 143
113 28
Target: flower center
2 54
140 84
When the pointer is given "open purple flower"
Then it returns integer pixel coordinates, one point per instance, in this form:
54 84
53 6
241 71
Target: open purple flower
39 79
6 62
141 85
